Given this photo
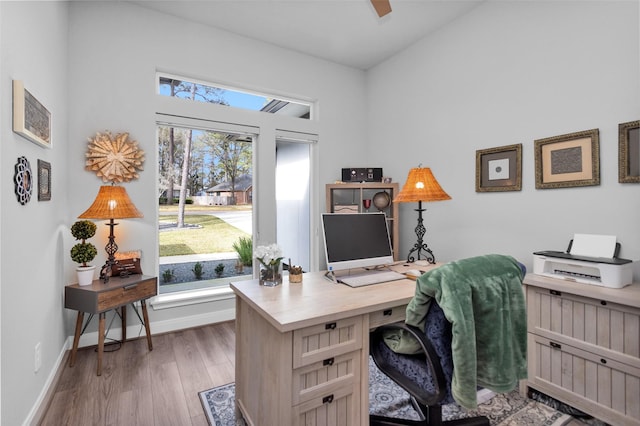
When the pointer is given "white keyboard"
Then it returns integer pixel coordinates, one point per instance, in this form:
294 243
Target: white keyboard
371 277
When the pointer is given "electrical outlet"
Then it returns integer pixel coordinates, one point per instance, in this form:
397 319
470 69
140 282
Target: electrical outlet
37 356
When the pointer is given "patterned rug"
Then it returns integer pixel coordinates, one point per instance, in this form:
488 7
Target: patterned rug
387 398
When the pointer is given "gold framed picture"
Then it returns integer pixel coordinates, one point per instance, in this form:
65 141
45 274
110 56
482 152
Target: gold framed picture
30 118
499 169
44 180
629 152
569 160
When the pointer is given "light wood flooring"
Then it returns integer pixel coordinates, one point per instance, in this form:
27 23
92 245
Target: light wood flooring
138 387
156 388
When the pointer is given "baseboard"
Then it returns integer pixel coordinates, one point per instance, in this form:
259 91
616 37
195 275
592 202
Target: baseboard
90 339
42 402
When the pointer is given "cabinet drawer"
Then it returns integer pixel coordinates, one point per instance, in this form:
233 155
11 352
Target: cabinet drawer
340 407
387 316
323 341
609 325
124 295
323 377
600 386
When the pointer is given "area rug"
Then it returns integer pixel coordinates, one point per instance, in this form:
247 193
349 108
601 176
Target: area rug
387 398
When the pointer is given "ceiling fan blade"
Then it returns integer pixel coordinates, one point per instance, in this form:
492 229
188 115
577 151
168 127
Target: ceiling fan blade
382 7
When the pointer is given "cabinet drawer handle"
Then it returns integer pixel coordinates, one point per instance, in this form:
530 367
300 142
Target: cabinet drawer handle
603 302
327 399
330 326
328 362
555 292
387 312
602 360
130 286
555 345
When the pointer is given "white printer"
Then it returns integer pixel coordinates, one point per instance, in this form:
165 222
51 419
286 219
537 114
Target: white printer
589 259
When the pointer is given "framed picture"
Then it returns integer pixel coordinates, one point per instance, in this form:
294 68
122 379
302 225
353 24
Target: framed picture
629 152
568 160
499 169
44 180
30 118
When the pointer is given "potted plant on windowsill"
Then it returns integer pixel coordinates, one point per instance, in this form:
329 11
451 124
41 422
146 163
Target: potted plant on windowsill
84 252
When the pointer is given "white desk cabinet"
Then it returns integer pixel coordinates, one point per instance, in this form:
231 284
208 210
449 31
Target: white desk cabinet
584 346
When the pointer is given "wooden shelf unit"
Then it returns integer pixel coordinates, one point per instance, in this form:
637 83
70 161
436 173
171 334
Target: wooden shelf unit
347 197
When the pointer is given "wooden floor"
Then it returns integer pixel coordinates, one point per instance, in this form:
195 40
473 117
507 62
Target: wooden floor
138 387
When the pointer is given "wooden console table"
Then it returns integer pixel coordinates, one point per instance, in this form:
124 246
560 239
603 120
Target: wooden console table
302 350
98 298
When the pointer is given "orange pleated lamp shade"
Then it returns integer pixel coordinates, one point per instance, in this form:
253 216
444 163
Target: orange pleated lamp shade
112 202
421 185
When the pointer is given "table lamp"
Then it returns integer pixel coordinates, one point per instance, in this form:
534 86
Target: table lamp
421 186
112 202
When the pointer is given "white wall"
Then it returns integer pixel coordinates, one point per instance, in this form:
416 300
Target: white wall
33 48
507 73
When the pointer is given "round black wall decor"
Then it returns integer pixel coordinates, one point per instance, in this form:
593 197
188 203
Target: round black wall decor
23 180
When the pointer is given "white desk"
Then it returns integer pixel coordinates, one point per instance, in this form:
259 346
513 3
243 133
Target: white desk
302 350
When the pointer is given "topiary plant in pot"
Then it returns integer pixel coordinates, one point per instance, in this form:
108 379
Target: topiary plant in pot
84 252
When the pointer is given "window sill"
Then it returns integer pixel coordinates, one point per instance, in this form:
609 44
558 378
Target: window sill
192 297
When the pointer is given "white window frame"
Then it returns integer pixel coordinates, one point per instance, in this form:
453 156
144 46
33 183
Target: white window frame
266 128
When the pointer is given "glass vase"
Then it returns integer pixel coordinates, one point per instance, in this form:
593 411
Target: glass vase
271 275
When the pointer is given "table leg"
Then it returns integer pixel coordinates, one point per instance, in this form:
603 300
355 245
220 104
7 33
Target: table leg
145 316
100 341
76 338
124 323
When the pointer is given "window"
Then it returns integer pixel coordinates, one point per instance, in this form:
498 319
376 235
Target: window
202 194
205 92
204 205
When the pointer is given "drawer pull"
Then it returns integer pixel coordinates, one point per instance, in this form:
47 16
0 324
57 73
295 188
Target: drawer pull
555 345
387 312
327 399
330 326
328 362
555 292
130 287
603 302
603 361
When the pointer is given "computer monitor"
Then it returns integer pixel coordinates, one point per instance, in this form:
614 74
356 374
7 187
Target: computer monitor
356 240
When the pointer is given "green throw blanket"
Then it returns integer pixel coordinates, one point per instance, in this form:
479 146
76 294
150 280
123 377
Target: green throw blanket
482 298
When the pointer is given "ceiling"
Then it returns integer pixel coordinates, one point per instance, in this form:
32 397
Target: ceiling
347 32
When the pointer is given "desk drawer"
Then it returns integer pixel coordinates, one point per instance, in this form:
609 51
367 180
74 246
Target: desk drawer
124 295
323 377
322 341
387 316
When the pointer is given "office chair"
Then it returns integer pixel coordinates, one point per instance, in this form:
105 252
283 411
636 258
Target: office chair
425 376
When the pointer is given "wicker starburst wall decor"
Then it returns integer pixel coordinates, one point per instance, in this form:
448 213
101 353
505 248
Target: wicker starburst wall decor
114 159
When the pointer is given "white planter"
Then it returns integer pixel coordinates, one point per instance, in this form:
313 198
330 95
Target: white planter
85 274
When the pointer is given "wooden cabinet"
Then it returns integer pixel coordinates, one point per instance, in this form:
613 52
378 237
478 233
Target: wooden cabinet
584 346
311 374
326 372
349 197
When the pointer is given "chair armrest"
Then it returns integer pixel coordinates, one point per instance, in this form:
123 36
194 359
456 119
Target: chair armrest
428 357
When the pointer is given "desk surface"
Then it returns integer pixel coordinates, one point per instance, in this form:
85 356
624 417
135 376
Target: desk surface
292 306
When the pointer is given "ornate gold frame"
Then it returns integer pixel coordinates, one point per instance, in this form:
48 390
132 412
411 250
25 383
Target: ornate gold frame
512 154
629 152
550 172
